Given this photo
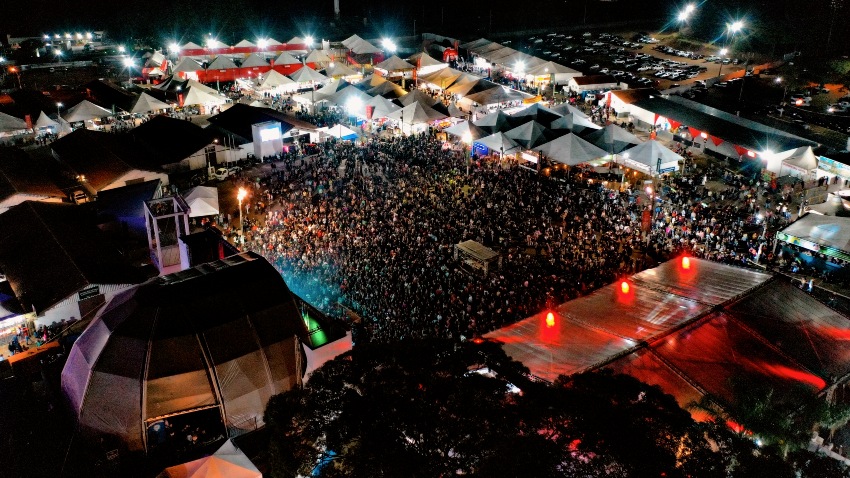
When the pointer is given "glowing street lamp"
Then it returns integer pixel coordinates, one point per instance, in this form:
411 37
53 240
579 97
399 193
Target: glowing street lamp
121 49
735 26
174 48
389 45
262 43
723 52
129 63
240 196
58 110
308 40
685 14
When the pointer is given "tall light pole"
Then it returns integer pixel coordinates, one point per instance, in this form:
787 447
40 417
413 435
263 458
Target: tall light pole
240 196
723 52
129 63
58 113
467 140
685 15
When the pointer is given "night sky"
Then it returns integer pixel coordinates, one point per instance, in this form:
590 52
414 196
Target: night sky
233 20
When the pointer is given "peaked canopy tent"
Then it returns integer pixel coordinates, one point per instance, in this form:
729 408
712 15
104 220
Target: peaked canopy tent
495 96
145 355
571 150
227 462
539 113
828 235
187 68
202 95
275 80
443 78
612 138
566 108
548 71
425 64
202 201
529 134
352 99
11 124
494 122
340 131
318 58
801 162
360 46
387 89
341 70
382 107
500 143
652 158
305 75
286 63
468 86
393 66
222 68
147 103
254 66
85 111
415 117
417 96
45 121
574 123
464 128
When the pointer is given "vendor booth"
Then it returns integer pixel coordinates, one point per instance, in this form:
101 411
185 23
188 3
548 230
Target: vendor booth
571 150
202 201
800 162
652 158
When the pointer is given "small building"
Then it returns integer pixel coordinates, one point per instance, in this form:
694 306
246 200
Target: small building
26 178
593 83
176 145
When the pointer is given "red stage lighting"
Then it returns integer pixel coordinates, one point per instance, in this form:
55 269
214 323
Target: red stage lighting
550 319
686 263
625 288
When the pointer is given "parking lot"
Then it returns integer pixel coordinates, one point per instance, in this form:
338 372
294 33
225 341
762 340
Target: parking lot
636 60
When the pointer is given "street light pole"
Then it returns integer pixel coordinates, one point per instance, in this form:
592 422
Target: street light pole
240 196
58 113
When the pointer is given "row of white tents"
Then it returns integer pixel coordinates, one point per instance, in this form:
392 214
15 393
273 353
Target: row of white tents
565 135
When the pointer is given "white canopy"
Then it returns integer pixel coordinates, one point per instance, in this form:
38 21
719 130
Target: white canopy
221 62
442 78
383 106
796 162
286 59
202 95
245 43
360 46
416 113
339 69
495 121
317 56
227 462
147 103
274 79
652 157
10 123
424 60
466 128
84 111
45 121
348 96
305 74
202 201
499 142
191 46
497 95
571 150
339 131
827 231
388 89
394 63
253 60
551 68
417 96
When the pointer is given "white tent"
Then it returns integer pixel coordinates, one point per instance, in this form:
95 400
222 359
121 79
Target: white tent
383 107
202 95
84 111
801 162
10 124
466 128
202 201
571 150
416 113
550 69
425 64
574 122
566 108
652 158
493 122
494 96
499 142
348 97
529 134
227 462
339 131
305 74
318 57
191 46
286 59
417 96
360 46
340 70
394 63
275 79
147 103
388 89
245 43
829 232
254 60
221 62
45 121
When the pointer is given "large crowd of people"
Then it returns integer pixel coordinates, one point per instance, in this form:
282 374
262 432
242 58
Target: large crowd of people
372 228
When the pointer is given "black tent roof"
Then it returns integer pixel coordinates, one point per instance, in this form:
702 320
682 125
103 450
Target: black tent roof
168 140
237 120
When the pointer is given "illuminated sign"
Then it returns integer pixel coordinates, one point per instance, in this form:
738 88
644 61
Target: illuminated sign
833 167
529 157
269 134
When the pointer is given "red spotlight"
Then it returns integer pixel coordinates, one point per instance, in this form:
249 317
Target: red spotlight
686 263
550 319
625 287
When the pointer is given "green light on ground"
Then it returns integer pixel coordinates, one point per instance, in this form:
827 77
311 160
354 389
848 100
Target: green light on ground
315 333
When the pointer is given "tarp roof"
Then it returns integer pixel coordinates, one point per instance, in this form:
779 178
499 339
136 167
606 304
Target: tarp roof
497 95
465 127
245 43
147 103
827 231
650 152
222 62
417 96
415 113
237 120
340 69
574 122
272 42
253 60
802 158
499 142
227 462
691 331
731 128
274 78
550 67
493 122
305 74
539 113
166 140
349 94
84 111
9 123
340 131
443 78
424 60
296 40
202 201
360 46
387 89
476 43
191 46
383 106
317 56
395 63
203 96
45 121
38 237
468 85
571 150
286 59
529 134
566 108
21 173
612 138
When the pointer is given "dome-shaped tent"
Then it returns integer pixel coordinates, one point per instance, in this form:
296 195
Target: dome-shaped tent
211 343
